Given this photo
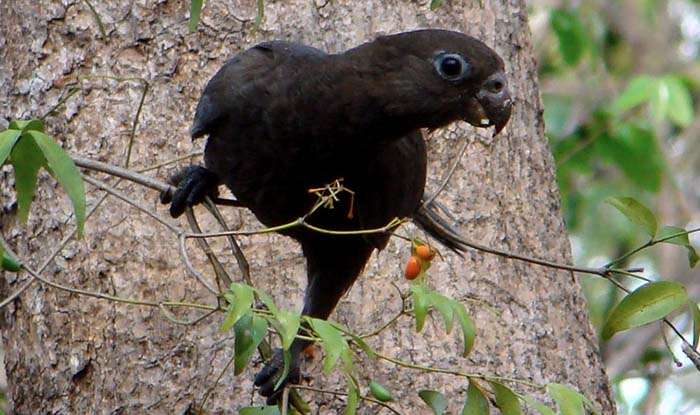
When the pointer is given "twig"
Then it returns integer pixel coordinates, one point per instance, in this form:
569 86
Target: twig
72 91
235 248
391 320
204 246
170 161
338 393
692 354
96 15
123 173
458 373
190 268
114 192
216 382
447 178
648 244
170 316
135 124
53 255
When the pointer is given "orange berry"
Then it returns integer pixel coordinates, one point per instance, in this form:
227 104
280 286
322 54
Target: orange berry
425 253
413 268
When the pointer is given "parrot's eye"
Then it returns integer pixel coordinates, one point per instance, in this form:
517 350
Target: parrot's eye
451 66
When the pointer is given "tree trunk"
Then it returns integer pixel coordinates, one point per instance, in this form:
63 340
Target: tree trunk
67 353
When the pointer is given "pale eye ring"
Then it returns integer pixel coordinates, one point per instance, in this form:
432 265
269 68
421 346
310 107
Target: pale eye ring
451 66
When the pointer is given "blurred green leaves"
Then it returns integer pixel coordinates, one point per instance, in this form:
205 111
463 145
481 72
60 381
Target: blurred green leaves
633 149
571 34
667 97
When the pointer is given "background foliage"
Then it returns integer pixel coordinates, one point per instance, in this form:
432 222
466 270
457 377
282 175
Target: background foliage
620 82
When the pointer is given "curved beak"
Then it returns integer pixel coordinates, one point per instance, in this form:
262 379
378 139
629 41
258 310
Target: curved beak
494 102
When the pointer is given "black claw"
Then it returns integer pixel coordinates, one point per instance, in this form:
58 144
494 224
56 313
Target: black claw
268 377
193 184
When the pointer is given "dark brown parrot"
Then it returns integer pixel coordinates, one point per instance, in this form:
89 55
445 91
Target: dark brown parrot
283 118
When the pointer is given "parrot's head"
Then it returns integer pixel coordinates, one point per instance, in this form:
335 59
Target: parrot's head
440 76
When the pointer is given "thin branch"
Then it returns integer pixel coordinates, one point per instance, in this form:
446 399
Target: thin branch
53 255
692 354
135 124
216 382
449 175
114 192
391 321
339 393
630 274
170 316
458 373
190 268
204 246
170 161
112 170
648 244
235 248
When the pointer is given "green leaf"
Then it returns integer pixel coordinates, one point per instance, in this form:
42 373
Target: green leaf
381 393
635 212
680 104
63 169
635 150
362 344
267 300
569 401
572 36
8 138
259 410
467 325
28 125
240 304
557 113
434 4
421 302
195 13
353 400
435 400
7 262
250 331
333 343
506 399
287 325
539 406
639 91
650 302
27 159
445 307
476 402
695 312
680 240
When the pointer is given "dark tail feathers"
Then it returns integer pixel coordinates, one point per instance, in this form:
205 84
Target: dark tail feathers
438 228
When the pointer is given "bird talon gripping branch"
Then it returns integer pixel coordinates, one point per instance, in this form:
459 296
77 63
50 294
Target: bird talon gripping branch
283 117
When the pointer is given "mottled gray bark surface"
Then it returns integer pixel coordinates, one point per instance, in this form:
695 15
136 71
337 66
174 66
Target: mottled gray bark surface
72 354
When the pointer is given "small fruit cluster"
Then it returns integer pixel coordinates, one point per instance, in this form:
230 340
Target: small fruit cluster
419 262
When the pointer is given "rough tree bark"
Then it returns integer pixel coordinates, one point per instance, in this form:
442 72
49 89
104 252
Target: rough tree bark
71 354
